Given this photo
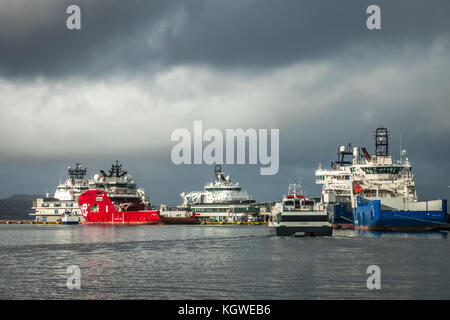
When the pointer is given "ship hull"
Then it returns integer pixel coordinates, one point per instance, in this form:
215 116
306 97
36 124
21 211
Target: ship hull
308 223
342 216
179 220
343 226
69 222
122 223
97 208
290 231
369 216
136 217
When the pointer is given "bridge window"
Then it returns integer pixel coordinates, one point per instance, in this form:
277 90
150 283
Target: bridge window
382 170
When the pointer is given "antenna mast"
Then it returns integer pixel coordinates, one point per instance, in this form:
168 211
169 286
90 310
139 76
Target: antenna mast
381 142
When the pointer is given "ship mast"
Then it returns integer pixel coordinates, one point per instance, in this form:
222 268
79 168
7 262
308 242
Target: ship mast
218 172
77 173
381 142
116 170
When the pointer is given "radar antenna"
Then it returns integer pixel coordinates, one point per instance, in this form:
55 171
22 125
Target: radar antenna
116 170
218 172
78 172
343 151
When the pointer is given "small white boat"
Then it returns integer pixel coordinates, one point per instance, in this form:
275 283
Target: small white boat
298 215
68 218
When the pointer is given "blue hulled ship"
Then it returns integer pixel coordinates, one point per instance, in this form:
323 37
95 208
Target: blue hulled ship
384 196
374 192
372 215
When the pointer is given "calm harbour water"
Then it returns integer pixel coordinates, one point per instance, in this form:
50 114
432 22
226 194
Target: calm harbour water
218 262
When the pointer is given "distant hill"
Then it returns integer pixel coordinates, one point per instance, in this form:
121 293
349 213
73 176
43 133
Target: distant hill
17 207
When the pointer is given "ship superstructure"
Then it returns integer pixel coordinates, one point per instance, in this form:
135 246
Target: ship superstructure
121 188
63 201
337 187
380 176
221 200
376 176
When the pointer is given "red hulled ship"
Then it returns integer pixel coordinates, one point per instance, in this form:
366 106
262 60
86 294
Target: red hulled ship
97 208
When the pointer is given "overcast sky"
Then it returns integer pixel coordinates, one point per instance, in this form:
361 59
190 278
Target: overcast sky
138 70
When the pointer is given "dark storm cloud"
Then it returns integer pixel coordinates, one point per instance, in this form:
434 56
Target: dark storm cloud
270 33
140 69
36 41
141 35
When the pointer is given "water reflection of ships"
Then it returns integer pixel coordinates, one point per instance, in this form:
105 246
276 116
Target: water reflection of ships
121 189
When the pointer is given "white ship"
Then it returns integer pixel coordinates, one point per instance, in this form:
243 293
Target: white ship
69 218
120 188
297 215
51 209
221 200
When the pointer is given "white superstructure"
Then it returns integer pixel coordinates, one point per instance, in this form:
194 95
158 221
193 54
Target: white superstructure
64 199
336 184
376 176
379 177
119 186
219 191
221 200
